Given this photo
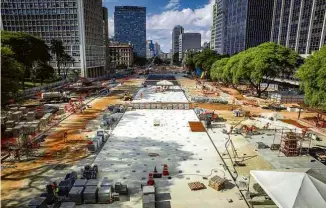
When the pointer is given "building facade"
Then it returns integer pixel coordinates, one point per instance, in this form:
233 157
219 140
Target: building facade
299 24
130 27
150 49
189 41
120 54
177 30
77 23
242 24
214 26
157 49
106 40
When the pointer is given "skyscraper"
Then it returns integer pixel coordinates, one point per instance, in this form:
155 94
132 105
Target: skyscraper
106 39
150 52
299 24
242 24
189 41
77 23
130 27
157 48
213 27
177 30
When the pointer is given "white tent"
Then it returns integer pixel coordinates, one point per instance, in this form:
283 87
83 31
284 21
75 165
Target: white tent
164 83
293 189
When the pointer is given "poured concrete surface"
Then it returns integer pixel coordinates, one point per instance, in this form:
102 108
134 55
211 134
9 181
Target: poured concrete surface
150 96
125 158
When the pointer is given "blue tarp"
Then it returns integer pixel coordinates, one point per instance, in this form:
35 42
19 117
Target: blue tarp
198 72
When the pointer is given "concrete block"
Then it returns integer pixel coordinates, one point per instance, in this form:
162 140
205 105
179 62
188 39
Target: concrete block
10 124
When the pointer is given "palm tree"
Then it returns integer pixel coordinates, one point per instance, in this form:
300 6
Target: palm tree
58 50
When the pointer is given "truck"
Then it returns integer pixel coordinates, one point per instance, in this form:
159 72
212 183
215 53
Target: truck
55 96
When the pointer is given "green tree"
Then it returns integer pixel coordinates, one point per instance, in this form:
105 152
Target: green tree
312 75
27 50
176 59
219 71
11 73
139 60
43 71
190 64
262 64
67 61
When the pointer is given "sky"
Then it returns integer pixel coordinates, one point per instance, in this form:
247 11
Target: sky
163 15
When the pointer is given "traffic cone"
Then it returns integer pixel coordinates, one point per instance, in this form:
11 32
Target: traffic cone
165 170
150 181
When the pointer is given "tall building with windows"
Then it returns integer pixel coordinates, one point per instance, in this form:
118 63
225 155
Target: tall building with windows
130 26
121 54
177 30
299 24
77 23
150 52
214 26
188 41
242 24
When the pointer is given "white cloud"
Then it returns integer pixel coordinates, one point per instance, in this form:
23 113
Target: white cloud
173 4
159 26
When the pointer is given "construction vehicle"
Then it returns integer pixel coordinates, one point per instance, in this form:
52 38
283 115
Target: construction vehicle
127 96
55 96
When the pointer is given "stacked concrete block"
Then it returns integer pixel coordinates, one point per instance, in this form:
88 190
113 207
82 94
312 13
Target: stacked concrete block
3 120
39 202
68 205
14 109
9 115
148 196
36 124
90 194
26 128
17 131
16 116
76 194
10 124
92 182
104 195
30 116
23 110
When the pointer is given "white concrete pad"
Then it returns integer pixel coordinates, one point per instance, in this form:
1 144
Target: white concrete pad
150 96
190 156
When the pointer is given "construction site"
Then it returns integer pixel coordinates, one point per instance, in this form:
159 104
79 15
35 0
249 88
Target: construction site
162 140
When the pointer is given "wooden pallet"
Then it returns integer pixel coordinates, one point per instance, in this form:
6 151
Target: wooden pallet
195 186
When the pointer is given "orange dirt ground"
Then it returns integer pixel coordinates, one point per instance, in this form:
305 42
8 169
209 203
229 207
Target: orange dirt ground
54 149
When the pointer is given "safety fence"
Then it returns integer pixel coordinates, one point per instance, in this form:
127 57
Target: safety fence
164 106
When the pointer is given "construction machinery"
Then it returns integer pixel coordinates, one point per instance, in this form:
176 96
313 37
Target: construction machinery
55 96
127 96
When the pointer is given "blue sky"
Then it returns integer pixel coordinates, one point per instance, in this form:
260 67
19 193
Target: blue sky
163 15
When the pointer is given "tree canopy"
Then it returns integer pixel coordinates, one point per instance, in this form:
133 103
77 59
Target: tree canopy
312 76
63 59
261 64
11 73
27 50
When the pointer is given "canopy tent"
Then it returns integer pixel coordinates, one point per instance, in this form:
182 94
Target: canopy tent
164 83
293 189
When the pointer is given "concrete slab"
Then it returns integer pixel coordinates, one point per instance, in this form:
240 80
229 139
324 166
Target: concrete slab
190 156
150 96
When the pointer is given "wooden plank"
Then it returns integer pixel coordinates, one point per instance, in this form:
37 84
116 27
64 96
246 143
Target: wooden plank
196 126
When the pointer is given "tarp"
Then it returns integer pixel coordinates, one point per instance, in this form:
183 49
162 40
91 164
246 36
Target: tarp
198 72
164 83
294 188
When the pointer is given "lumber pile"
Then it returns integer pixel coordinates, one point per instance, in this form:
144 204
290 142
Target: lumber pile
217 183
195 186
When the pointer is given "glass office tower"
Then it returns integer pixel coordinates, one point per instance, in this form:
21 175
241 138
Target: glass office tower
299 24
77 23
130 27
242 24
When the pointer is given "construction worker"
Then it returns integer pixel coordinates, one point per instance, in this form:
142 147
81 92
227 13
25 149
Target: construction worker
141 95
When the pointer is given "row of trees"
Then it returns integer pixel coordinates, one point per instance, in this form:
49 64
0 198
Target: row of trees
24 57
257 65
204 59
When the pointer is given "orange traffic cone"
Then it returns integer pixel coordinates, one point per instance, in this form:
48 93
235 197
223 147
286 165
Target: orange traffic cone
165 170
150 181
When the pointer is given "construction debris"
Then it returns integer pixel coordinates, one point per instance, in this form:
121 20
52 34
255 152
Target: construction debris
217 183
